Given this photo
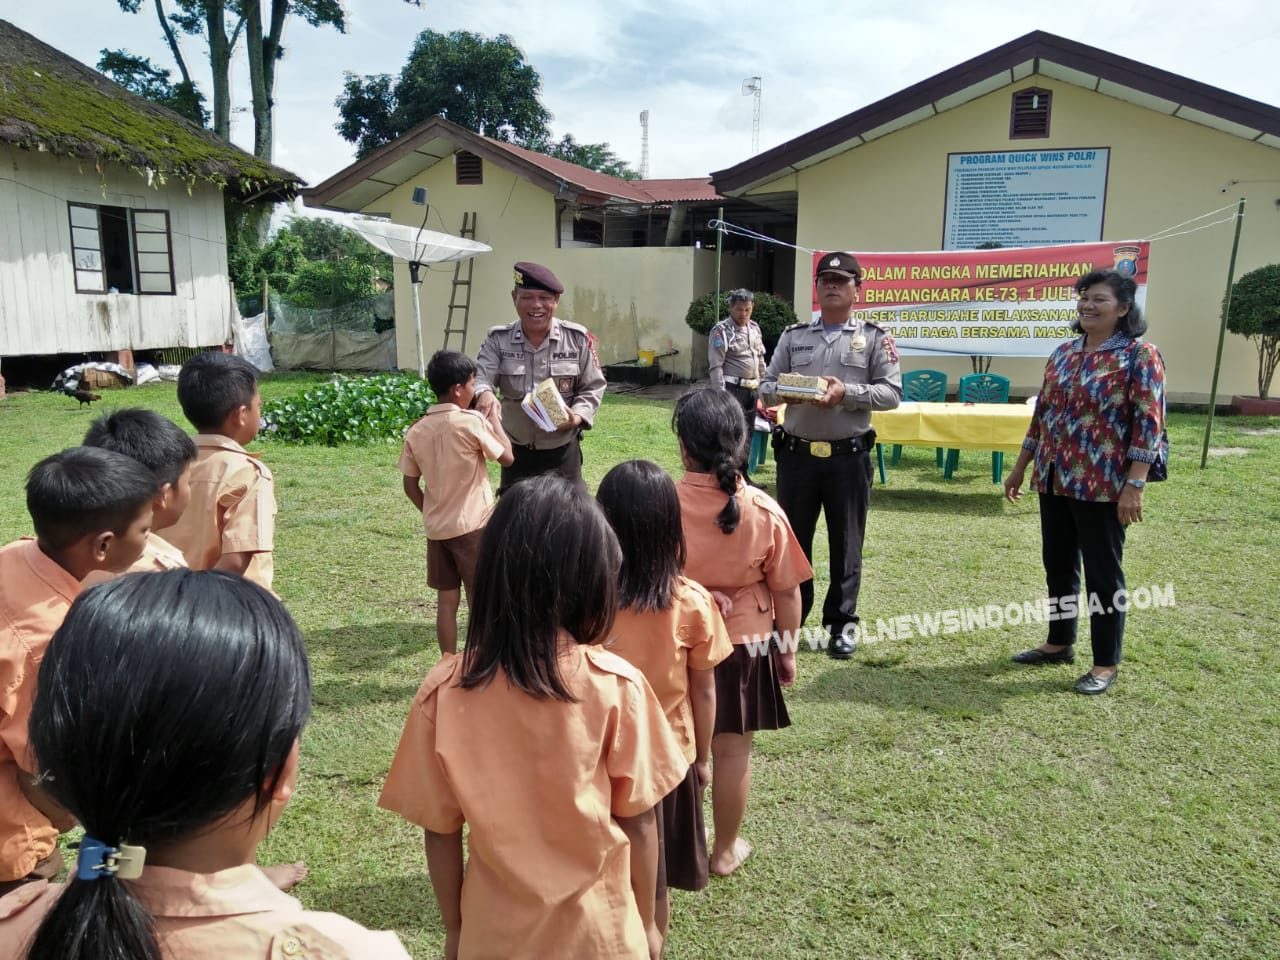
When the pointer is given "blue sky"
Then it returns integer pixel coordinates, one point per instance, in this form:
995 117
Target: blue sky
602 64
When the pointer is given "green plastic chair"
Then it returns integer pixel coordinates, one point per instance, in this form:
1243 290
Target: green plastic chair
920 386
981 388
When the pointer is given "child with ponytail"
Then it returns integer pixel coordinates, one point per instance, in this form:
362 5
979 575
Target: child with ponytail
667 626
166 719
740 547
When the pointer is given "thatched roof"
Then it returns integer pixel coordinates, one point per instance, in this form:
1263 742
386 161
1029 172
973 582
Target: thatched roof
50 101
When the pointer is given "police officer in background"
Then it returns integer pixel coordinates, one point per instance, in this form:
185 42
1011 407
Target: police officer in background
735 352
824 448
517 356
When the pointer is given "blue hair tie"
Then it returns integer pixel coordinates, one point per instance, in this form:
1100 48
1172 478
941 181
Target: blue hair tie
97 859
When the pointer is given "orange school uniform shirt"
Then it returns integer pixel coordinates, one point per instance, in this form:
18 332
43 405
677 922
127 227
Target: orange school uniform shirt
234 913
232 509
664 644
157 557
35 595
539 782
448 448
761 556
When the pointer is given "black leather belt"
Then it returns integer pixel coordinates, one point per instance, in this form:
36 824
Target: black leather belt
823 448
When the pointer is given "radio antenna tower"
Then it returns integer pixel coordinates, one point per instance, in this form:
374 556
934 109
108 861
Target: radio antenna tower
751 88
644 144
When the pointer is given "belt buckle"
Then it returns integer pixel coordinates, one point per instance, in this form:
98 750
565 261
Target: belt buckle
748 384
820 449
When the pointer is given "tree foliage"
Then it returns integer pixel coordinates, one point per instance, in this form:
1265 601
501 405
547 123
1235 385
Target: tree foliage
593 156
221 24
140 76
1255 315
481 84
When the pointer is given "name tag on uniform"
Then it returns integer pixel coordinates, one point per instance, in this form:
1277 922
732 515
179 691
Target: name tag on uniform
512 354
803 348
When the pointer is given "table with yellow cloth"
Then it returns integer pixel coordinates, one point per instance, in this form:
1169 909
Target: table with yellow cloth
956 426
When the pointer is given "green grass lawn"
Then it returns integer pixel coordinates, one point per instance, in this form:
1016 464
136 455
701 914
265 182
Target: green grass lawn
931 799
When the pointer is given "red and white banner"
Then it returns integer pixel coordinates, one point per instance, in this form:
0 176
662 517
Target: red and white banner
1007 302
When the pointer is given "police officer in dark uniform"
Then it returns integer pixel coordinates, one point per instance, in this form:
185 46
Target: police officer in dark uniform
517 356
824 448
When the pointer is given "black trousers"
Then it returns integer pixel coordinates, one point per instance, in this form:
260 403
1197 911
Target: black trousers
840 487
1072 531
747 400
566 461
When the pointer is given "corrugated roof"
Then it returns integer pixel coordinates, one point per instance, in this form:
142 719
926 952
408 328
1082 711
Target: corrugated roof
50 101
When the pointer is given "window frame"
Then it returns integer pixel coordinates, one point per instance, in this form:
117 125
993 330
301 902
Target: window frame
135 233
1015 114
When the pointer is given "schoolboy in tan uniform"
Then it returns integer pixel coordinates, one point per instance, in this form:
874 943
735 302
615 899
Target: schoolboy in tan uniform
446 451
164 448
516 357
91 510
230 521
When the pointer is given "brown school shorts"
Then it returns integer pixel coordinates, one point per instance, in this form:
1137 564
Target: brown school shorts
452 563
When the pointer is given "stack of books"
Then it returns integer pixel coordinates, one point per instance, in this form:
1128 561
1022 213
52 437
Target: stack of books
796 386
545 406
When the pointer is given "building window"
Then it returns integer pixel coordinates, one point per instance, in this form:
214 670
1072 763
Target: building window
1029 114
116 249
469 168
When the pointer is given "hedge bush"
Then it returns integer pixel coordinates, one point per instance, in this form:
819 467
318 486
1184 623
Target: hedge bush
772 313
377 409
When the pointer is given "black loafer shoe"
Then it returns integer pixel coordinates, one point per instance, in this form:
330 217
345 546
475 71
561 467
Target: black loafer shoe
1037 656
1091 684
841 647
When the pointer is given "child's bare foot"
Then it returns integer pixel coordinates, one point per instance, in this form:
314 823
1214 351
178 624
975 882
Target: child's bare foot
723 864
286 876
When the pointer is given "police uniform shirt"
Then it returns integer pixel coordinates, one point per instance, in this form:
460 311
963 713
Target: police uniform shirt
512 367
860 354
735 351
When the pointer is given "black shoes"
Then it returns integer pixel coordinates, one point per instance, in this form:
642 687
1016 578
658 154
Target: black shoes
1091 684
1037 657
841 646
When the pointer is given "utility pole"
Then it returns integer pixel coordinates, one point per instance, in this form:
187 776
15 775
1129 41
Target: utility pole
751 88
644 144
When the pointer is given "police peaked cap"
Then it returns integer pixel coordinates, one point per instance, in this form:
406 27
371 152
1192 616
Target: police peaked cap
534 276
843 264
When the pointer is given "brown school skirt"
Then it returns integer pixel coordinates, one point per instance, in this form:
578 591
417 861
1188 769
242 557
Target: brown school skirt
748 695
682 838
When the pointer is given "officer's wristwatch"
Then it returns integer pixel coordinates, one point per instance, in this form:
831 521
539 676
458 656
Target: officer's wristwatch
1135 483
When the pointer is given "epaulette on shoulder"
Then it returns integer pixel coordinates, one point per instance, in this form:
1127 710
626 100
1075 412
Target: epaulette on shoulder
802 325
874 326
575 327
497 327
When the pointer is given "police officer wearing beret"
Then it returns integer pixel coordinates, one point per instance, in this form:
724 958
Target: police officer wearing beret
517 356
735 353
824 448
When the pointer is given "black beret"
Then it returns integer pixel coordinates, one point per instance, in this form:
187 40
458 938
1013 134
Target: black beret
534 276
844 264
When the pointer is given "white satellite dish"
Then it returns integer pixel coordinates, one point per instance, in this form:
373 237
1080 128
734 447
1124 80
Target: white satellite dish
413 245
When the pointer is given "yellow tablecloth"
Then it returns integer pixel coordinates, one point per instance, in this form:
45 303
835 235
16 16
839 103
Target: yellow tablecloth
957 426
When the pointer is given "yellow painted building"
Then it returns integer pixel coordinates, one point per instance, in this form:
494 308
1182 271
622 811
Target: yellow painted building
876 180
631 254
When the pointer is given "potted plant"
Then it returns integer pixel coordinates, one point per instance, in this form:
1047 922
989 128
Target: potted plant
1255 315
